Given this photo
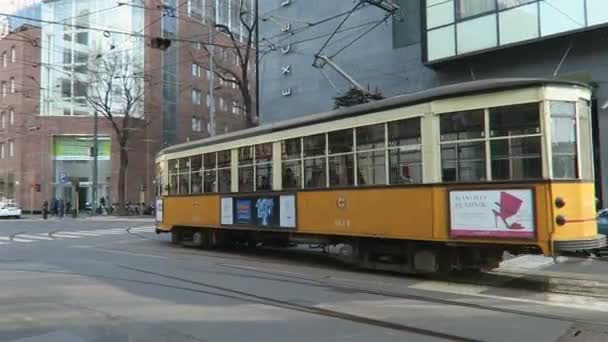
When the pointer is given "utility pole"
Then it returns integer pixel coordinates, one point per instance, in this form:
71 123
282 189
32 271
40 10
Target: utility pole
95 160
212 130
257 60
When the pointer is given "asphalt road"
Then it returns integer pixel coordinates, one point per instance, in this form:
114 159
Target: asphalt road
110 280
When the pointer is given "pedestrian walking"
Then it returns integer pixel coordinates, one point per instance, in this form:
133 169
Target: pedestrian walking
53 206
60 208
68 208
45 209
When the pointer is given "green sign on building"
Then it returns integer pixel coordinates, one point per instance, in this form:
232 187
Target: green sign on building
79 148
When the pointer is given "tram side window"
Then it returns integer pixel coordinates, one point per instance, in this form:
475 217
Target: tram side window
515 142
584 121
405 151
341 158
371 155
463 157
224 171
196 174
246 169
184 176
173 172
263 167
291 165
210 172
563 139
314 161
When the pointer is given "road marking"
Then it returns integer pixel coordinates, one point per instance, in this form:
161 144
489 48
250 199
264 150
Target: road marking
107 232
61 235
16 239
38 237
128 253
81 233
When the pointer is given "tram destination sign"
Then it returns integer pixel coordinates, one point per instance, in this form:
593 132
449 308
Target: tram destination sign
502 213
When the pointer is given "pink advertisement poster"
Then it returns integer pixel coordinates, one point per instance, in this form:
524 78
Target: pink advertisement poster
492 213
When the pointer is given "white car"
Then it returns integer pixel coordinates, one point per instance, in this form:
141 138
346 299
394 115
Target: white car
10 209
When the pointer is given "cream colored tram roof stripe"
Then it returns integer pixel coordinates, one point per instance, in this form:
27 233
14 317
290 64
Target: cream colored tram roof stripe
456 103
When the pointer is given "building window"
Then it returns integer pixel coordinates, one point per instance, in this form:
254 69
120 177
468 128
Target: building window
469 8
3 120
2 155
195 9
463 154
12 85
196 70
482 24
196 124
3 88
13 55
4 60
563 139
11 148
235 107
196 96
11 117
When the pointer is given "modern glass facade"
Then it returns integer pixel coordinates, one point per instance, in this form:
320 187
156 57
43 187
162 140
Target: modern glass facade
459 27
92 28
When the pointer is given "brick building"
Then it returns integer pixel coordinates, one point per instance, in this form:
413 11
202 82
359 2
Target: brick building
47 127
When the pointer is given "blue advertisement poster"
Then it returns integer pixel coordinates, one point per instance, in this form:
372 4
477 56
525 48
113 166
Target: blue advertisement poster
262 211
243 211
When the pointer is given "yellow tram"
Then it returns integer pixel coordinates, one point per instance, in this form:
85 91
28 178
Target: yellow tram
446 178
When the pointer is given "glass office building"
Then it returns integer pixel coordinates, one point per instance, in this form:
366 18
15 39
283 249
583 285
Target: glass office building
87 31
460 27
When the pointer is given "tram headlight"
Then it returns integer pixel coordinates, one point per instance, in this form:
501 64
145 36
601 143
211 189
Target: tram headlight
560 203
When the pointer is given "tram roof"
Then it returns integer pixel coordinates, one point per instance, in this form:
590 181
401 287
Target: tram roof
447 91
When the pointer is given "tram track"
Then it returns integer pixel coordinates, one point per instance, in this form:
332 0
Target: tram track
495 278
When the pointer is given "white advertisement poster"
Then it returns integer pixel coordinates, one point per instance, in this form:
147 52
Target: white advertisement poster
288 211
492 213
159 210
226 210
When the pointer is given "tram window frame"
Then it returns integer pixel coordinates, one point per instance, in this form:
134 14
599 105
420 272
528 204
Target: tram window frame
291 163
564 117
463 170
341 158
404 142
314 161
224 171
184 176
263 160
246 173
210 172
526 163
585 134
371 154
196 174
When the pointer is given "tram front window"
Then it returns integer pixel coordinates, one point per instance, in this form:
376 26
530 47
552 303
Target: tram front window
563 139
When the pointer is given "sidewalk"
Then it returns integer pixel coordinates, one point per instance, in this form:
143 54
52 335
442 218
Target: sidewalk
573 275
149 219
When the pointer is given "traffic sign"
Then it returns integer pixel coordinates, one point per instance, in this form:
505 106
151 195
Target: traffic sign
63 178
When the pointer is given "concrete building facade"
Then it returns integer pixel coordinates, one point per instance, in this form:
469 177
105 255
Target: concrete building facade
432 43
47 124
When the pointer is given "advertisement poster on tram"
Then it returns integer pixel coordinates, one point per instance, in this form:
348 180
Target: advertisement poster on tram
492 213
259 211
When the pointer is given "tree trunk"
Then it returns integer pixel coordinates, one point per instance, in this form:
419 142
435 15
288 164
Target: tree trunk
122 179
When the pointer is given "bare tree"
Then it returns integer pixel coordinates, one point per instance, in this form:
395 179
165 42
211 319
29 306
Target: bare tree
242 45
116 84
